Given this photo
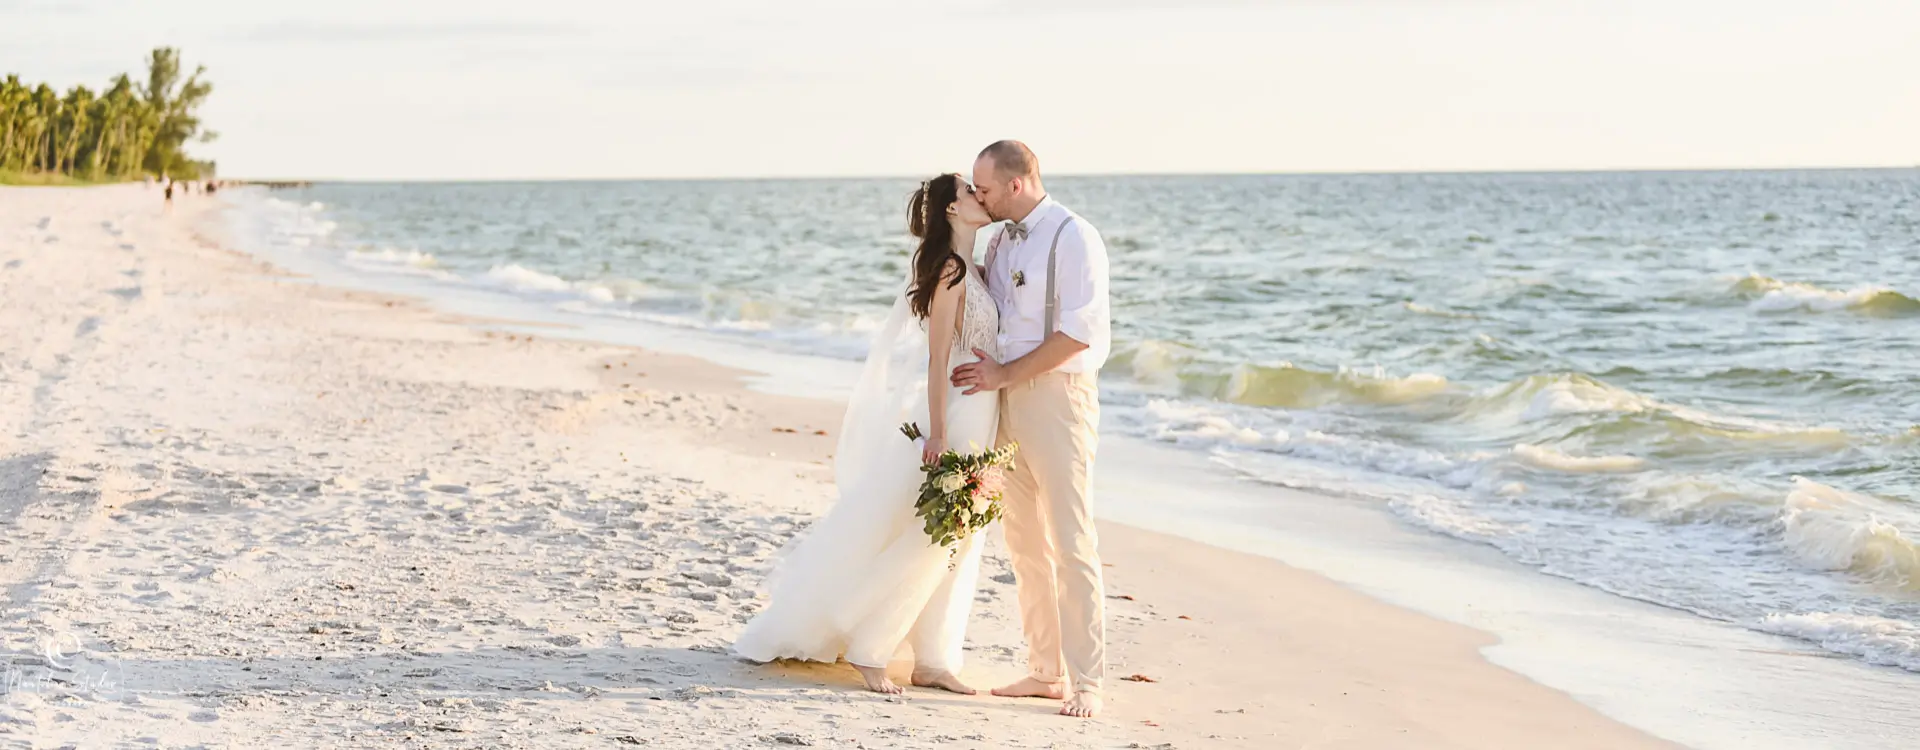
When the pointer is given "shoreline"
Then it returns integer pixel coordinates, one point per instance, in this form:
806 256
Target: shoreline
417 417
1552 622
1567 636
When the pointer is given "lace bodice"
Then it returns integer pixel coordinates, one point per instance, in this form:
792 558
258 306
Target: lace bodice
980 321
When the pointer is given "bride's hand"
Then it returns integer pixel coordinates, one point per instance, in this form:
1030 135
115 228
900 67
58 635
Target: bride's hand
930 453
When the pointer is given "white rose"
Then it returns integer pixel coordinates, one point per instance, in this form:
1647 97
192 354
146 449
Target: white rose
952 483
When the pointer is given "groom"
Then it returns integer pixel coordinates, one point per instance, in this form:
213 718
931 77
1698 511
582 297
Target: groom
1047 270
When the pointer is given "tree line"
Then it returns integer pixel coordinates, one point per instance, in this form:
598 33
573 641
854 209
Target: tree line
128 131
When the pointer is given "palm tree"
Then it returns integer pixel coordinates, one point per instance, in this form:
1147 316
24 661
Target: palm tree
12 94
126 130
40 111
76 118
119 109
174 102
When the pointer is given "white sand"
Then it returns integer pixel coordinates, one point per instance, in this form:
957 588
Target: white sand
241 510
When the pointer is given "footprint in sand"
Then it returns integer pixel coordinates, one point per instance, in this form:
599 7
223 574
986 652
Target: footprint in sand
718 580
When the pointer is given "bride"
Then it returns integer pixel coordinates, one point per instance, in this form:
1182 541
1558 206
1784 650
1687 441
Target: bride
865 579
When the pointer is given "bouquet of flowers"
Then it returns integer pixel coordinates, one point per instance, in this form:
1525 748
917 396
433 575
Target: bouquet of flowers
961 494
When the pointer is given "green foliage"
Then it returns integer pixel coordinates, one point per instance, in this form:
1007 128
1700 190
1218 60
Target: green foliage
44 179
961 494
125 132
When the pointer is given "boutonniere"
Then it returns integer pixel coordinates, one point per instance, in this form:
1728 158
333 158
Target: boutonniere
1019 278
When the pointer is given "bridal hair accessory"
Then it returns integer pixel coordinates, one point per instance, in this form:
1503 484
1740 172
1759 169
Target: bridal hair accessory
925 198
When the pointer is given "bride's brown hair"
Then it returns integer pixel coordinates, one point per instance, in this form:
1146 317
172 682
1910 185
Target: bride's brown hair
935 260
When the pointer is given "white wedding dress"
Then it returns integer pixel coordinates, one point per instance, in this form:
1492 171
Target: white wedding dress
865 581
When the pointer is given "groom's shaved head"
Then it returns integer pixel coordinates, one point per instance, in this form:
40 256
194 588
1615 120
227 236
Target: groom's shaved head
1006 178
1012 159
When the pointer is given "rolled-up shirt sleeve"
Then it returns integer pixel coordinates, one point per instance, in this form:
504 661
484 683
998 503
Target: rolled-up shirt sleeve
1082 285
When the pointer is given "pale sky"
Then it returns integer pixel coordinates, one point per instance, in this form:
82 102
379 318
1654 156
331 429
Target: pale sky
479 89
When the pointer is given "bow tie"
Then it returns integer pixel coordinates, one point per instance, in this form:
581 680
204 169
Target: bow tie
1016 231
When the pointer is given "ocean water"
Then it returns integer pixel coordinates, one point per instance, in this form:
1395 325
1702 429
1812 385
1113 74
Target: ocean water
1700 390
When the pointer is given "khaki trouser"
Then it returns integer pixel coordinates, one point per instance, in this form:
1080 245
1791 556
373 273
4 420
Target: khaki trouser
1049 526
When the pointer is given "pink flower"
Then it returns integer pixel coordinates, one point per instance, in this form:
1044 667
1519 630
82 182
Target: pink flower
992 482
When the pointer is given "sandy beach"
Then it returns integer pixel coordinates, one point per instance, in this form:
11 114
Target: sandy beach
242 510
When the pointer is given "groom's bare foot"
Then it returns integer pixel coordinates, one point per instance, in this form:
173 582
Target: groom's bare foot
941 679
877 680
1082 706
1032 688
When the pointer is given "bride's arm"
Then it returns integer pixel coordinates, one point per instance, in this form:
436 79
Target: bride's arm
943 317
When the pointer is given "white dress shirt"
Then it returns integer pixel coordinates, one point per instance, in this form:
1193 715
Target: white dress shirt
1084 312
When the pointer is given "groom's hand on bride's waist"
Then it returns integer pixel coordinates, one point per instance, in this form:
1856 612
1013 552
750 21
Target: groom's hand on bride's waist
984 375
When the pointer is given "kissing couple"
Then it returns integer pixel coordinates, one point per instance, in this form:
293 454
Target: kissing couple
1005 351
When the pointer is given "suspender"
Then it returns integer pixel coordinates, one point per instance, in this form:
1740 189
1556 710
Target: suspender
993 247
1053 265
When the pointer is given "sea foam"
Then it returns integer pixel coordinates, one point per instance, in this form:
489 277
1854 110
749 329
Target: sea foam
1877 640
516 276
1776 296
1546 457
1829 529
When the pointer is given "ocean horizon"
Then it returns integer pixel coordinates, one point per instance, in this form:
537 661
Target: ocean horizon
1075 175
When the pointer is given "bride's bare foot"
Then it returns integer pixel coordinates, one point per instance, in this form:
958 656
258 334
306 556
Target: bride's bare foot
877 681
941 679
1032 688
1082 706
